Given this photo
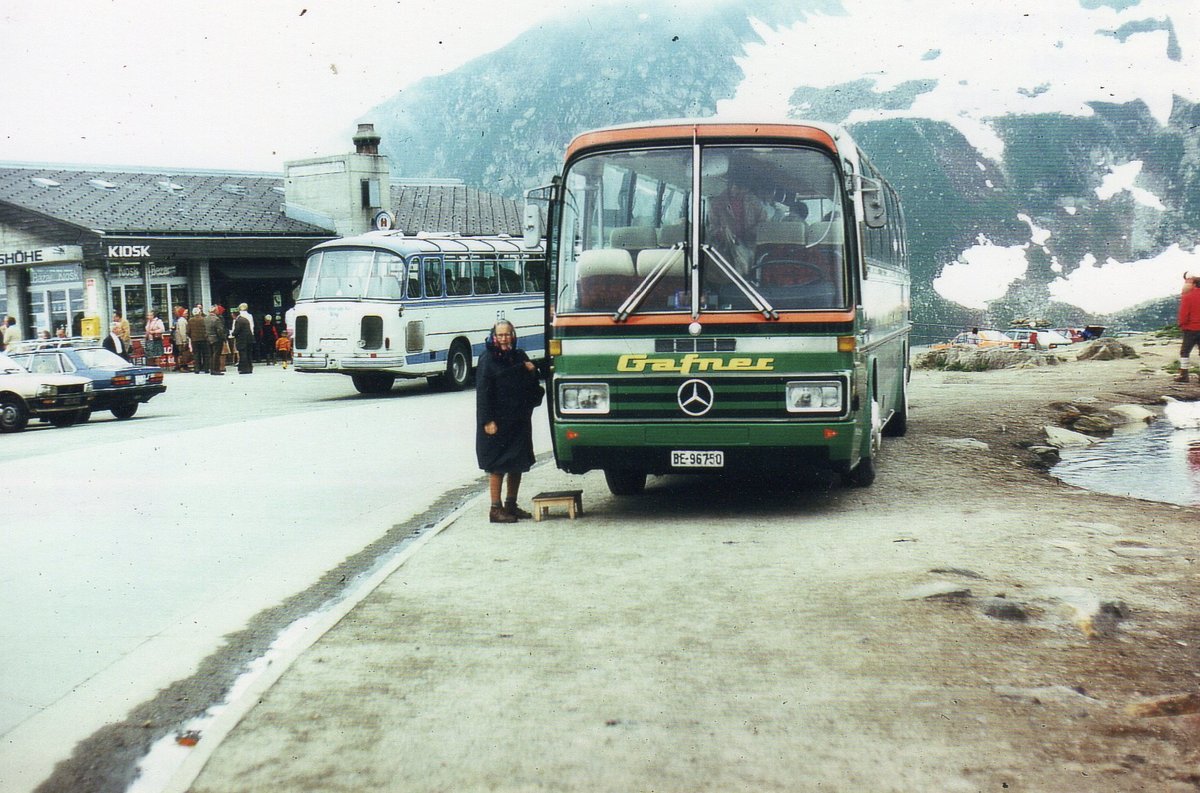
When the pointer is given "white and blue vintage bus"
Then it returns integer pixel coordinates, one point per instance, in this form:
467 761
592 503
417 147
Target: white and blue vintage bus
384 305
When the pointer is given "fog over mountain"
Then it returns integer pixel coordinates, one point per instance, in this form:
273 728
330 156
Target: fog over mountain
1048 156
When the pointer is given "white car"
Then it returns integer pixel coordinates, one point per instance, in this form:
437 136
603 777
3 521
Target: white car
61 399
1044 340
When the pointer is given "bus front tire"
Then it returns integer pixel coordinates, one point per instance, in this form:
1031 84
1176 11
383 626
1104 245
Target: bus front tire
897 425
458 367
622 482
372 382
861 475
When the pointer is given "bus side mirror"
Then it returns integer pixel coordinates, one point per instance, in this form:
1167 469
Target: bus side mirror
533 227
874 208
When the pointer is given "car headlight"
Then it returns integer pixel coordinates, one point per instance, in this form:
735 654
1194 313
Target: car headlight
88 387
814 396
47 390
583 398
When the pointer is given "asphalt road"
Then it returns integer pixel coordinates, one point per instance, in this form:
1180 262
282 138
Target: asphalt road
131 548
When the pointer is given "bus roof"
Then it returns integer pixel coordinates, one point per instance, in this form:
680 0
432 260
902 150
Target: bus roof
713 129
405 245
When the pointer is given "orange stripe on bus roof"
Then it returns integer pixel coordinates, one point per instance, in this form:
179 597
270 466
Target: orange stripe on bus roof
733 318
704 132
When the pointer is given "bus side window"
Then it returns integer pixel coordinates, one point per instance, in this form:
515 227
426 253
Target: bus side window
457 283
510 274
414 279
433 278
535 274
484 267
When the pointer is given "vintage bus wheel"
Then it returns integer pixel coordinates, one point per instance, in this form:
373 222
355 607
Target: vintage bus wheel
622 482
897 425
13 416
458 367
372 382
863 474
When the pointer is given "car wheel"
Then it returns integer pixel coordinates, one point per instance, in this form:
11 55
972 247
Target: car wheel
125 410
622 482
13 415
84 415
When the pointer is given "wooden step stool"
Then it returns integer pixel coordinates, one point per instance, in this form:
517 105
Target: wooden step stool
571 499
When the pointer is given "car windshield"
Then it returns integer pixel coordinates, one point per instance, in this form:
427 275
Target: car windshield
9 366
100 358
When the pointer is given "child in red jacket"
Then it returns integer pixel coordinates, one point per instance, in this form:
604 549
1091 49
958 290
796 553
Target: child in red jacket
283 346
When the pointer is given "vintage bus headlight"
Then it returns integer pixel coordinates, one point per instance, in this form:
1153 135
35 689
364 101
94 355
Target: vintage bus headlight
814 396
583 398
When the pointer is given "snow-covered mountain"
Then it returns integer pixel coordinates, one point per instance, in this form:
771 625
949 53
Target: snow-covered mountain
1048 156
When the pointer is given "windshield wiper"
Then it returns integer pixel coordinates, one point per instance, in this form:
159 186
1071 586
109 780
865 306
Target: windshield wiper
760 302
653 277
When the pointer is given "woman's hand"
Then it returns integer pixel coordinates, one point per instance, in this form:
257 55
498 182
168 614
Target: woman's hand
529 367
490 428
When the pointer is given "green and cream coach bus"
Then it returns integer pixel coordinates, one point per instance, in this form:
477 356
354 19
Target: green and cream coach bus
723 297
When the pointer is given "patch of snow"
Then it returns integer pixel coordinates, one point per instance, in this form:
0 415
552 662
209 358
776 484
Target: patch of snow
982 273
1037 235
1113 285
1121 178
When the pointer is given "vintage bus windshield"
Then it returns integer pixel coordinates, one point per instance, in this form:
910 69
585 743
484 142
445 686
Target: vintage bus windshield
352 273
769 226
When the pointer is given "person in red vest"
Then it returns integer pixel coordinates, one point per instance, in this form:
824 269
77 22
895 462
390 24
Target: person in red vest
1189 322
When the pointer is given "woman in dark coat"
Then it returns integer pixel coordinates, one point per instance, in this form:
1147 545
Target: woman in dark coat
506 392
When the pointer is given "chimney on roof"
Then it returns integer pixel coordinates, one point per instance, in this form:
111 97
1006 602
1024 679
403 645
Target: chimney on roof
366 140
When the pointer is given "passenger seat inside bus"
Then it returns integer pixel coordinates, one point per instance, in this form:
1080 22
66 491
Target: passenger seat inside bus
606 278
634 239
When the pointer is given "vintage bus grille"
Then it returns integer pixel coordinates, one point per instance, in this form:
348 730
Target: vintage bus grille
695 345
734 399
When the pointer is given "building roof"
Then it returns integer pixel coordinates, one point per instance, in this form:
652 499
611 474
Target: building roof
137 201
148 201
456 208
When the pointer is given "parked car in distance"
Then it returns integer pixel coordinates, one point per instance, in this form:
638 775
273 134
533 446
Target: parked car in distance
120 386
58 398
1045 339
985 338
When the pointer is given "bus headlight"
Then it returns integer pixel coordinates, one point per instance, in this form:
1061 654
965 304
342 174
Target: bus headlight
583 398
814 396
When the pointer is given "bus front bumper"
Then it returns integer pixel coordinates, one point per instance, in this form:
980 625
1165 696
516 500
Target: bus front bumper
582 447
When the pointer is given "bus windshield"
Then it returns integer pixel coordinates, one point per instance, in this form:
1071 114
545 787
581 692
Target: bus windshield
769 224
352 274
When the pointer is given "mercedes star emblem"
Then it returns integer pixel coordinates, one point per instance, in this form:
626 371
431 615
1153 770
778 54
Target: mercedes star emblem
695 397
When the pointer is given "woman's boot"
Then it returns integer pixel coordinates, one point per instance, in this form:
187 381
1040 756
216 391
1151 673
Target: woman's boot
510 506
499 514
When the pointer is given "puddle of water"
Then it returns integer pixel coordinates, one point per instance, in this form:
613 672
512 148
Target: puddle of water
1160 463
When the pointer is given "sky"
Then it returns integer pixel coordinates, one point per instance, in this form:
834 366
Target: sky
238 85
225 84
